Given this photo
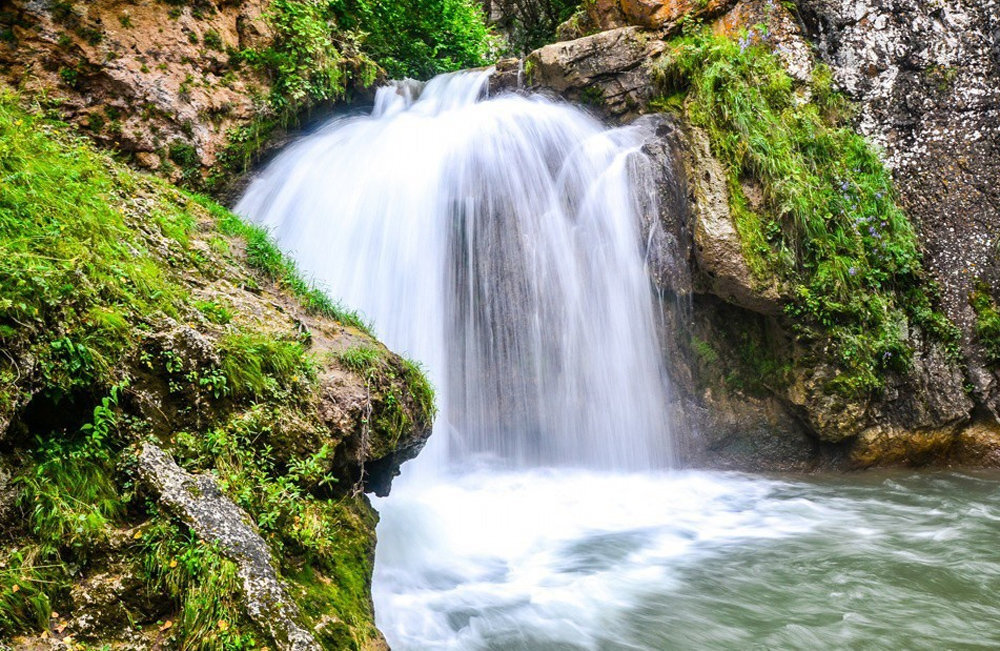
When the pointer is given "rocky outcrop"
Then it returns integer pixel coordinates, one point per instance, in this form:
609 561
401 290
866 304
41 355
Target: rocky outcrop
214 518
160 82
609 71
187 402
926 79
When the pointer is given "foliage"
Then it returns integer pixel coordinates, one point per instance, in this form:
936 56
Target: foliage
203 584
71 271
255 365
827 223
322 542
264 256
420 38
532 23
987 322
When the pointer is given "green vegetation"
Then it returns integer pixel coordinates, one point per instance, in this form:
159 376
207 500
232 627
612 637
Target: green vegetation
824 219
264 256
114 313
532 24
987 322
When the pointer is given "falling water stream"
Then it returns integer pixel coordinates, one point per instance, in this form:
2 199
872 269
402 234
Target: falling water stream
497 241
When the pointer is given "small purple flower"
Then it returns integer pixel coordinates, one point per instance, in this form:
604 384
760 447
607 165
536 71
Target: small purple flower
852 271
845 186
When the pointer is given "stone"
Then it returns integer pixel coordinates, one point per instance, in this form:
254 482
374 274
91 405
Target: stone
215 519
926 79
608 71
718 249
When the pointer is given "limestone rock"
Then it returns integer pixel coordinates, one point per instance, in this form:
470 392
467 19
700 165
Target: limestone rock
926 77
608 71
717 246
214 518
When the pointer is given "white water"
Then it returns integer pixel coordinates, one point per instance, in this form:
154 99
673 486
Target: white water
498 243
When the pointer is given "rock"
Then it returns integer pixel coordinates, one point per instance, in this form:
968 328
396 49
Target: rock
660 14
979 445
609 71
8 493
651 14
665 212
717 246
142 77
926 79
215 519
770 21
889 446
104 602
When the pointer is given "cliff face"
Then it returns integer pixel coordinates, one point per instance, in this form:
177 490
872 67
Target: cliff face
187 429
828 320
161 82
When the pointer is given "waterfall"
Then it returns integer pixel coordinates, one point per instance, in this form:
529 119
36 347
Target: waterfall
497 241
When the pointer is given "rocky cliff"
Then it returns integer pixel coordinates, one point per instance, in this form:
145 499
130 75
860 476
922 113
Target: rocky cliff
827 314
187 428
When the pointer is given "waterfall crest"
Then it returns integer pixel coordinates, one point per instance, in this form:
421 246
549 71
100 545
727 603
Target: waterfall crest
497 241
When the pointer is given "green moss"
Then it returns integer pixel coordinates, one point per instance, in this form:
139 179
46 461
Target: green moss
255 365
390 386
827 223
987 322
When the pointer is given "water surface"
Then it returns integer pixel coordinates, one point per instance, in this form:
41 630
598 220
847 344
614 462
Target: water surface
565 559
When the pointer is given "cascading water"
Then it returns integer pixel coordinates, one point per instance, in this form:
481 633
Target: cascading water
497 241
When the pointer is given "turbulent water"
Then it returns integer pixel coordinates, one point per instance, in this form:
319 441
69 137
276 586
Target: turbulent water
498 242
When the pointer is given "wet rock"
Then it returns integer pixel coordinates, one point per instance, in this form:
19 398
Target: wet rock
214 518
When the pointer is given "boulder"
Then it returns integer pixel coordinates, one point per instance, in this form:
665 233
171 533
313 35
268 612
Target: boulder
608 72
215 519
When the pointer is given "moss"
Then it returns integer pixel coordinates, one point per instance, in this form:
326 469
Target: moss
987 322
102 266
827 225
400 391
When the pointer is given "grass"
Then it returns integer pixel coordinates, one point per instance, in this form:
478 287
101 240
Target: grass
255 365
203 585
827 224
97 262
264 256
